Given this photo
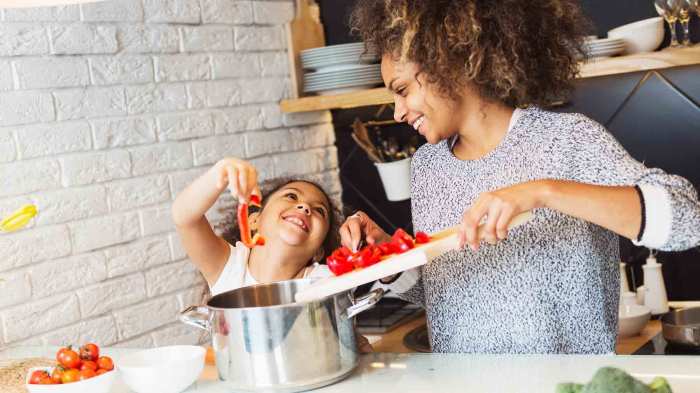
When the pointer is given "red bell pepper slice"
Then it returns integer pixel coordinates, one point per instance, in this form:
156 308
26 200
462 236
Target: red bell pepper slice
244 227
339 265
422 238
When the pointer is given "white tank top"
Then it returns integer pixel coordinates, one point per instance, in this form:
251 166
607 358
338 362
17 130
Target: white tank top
236 273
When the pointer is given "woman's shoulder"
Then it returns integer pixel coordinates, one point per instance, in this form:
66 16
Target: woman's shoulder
560 126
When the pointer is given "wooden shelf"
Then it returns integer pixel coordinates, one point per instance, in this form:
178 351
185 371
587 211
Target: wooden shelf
608 66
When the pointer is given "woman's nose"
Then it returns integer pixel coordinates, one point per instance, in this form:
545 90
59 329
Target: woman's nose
399 111
304 208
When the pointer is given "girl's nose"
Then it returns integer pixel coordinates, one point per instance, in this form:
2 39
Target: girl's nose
304 208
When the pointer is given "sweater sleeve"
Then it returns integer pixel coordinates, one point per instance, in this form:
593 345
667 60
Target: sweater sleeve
671 207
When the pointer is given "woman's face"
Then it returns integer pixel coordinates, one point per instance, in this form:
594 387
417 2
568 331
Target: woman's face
297 215
417 103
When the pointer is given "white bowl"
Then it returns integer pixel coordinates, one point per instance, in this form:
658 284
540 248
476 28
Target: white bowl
164 370
632 319
641 36
99 384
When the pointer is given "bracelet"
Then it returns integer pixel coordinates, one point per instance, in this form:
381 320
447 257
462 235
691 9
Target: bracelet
644 218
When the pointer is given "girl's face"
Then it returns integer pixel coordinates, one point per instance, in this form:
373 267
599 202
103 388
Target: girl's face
417 103
298 215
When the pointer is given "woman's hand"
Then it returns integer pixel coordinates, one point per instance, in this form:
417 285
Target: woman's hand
240 177
496 209
359 226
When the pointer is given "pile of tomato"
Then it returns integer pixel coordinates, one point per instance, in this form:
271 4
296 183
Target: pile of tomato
74 366
343 260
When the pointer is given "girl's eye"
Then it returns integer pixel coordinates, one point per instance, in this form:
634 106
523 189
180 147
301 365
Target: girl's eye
321 210
291 196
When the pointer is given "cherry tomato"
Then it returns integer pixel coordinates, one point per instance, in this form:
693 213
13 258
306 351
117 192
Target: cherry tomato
90 351
46 381
86 374
422 237
37 376
101 371
71 375
68 358
105 362
339 265
57 374
88 365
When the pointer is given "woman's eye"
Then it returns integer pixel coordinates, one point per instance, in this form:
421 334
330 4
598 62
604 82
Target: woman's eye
401 92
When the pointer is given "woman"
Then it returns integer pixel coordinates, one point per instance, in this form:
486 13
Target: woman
470 76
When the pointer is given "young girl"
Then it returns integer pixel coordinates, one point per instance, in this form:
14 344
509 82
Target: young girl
297 221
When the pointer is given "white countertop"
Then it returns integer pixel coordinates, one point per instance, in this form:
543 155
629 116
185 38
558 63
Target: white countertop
439 373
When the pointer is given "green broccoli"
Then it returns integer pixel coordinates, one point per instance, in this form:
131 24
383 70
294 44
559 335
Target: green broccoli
613 380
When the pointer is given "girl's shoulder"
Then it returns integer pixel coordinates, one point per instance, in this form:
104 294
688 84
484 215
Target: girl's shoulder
317 270
233 275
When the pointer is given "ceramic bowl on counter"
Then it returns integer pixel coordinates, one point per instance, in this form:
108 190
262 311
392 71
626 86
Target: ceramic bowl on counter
99 384
164 370
641 36
632 319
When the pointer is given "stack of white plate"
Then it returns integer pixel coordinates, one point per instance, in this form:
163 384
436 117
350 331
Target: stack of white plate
604 47
340 68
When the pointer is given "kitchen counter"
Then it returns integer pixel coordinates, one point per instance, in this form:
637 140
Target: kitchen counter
391 372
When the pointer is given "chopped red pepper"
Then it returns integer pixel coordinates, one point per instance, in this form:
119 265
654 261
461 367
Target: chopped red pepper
422 237
339 265
243 226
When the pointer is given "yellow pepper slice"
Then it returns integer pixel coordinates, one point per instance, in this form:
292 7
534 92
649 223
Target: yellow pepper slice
18 219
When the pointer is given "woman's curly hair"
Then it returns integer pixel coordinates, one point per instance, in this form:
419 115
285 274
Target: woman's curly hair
516 52
228 227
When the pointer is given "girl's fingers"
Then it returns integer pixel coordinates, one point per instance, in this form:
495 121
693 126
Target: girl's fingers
252 180
232 173
243 184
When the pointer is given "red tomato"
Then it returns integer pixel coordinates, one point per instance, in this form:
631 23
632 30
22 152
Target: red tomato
105 362
68 358
86 374
90 351
37 376
339 266
422 237
46 381
70 376
101 371
88 365
57 374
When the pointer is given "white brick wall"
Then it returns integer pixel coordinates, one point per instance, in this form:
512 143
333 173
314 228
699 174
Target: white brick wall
107 111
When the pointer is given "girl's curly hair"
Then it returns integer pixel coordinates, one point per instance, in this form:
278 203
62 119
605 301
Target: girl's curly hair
516 52
228 226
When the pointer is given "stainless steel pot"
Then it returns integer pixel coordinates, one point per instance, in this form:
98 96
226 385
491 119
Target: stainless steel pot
264 341
682 326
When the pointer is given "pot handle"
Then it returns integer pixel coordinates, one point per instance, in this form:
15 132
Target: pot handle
365 302
197 316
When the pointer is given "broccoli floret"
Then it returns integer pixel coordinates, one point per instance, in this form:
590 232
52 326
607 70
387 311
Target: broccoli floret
613 380
660 385
569 388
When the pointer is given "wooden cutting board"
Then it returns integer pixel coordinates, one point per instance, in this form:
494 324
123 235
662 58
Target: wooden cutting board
440 243
303 32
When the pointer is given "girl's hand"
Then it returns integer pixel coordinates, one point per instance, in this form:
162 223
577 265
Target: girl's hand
240 177
358 227
498 208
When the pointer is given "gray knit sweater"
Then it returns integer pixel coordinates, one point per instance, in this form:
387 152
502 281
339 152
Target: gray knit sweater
553 285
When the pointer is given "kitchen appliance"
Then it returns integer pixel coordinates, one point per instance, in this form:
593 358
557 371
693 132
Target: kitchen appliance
265 341
682 327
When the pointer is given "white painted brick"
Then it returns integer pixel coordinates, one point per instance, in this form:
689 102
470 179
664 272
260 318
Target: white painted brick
177 251
123 132
15 288
180 180
23 39
304 118
227 11
197 95
71 204
171 277
101 330
207 38
137 256
236 65
44 72
172 68
64 275
242 118
8 149
26 320
178 334
211 150
53 138
263 90
62 13
172 11
193 296
113 11
314 136
156 98
88 168
76 39
148 39
133 193
272 12
89 103
34 245
161 157
24 107
109 70
223 93
113 294
274 63
272 116
267 142
6 82
310 161
258 38
131 321
25 177
265 166
329 181
144 341
104 231
185 126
